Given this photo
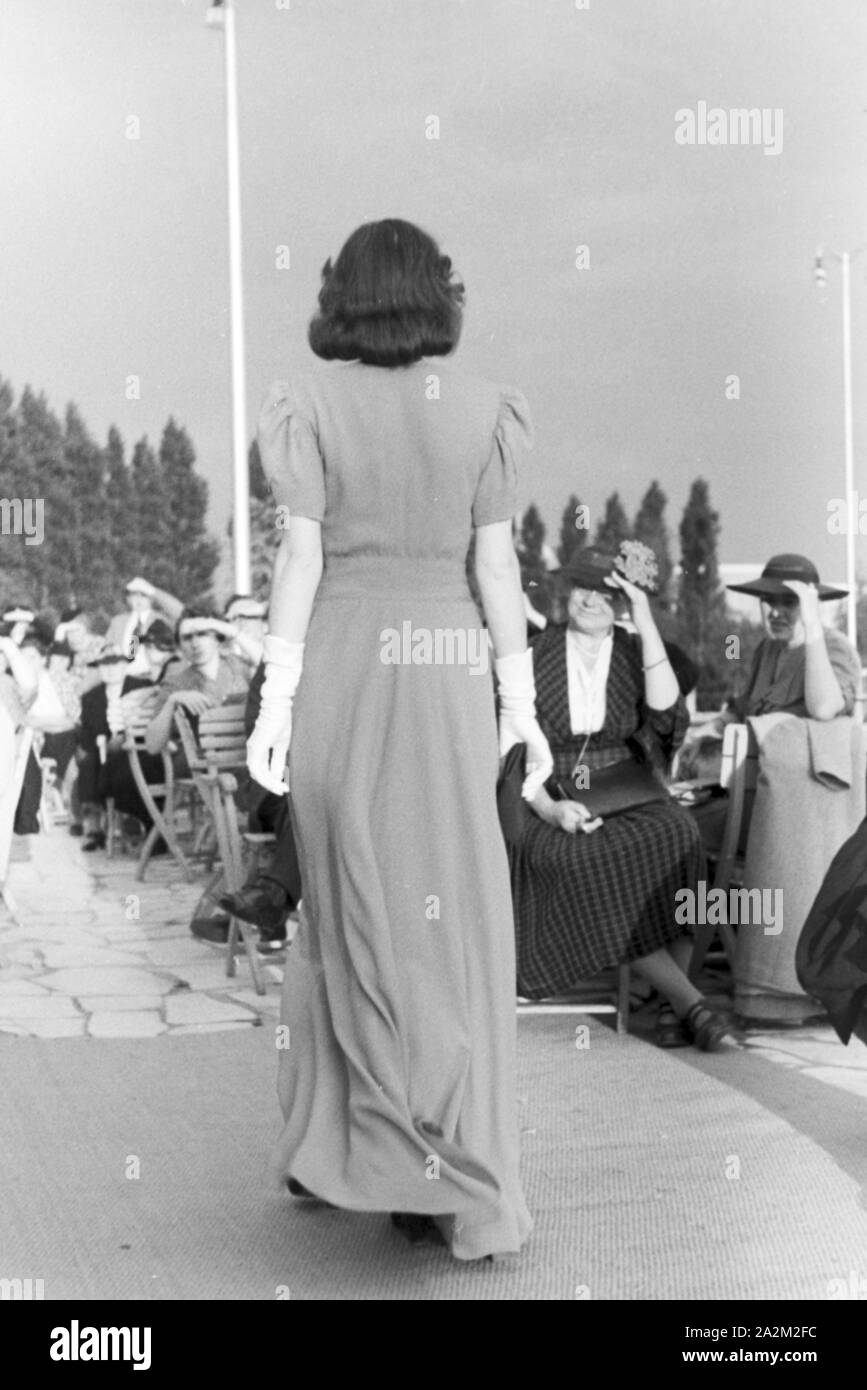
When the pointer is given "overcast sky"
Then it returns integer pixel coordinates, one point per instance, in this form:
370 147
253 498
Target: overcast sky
557 129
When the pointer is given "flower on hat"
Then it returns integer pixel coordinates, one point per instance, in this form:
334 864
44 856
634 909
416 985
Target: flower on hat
637 563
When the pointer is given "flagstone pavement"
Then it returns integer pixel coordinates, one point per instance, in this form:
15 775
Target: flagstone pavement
95 954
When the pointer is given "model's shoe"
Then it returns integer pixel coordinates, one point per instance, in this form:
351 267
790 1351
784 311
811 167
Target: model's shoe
705 1027
93 842
214 929
418 1229
298 1189
263 903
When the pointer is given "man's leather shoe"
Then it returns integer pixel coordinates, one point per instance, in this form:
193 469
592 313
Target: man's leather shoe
215 929
264 903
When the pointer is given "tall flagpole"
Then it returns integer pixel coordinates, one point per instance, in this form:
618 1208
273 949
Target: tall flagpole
852 510
851 503
221 14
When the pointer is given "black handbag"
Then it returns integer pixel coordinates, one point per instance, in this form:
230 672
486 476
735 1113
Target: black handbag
622 786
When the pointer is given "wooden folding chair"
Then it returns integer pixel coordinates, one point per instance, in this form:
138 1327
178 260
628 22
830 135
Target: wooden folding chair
17 751
739 774
585 999
163 819
219 751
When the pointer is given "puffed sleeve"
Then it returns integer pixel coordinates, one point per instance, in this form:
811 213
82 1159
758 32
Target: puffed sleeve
290 454
496 496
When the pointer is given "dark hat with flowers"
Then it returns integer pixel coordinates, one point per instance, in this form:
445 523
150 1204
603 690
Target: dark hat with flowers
592 566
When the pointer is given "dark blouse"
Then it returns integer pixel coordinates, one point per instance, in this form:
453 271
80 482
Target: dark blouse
777 677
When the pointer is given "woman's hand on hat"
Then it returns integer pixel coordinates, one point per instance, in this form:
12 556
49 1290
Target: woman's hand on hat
808 598
637 598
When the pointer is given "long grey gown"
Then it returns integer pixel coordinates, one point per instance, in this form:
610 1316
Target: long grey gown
398 1085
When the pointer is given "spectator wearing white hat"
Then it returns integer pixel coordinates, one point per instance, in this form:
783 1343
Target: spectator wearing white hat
17 621
246 624
144 603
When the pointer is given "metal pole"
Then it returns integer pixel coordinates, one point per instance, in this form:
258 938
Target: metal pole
852 508
241 526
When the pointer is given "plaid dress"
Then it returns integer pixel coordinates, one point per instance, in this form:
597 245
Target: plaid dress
584 903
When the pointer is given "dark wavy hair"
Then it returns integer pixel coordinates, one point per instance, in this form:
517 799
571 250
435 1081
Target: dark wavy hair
389 299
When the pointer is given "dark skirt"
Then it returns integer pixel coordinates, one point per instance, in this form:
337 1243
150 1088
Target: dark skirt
584 903
61 747
27 810
114 779
831 956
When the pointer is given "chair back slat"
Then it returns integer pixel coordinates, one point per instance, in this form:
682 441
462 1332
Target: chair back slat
231 738
223 737
221 742
225 716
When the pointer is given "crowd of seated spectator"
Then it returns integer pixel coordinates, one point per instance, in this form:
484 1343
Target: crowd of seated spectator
78 690
583 901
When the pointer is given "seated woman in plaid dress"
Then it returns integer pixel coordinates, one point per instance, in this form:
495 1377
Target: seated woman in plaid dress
589 894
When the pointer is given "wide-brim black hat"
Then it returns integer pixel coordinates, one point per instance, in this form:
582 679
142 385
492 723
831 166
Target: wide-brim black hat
771 582
589 569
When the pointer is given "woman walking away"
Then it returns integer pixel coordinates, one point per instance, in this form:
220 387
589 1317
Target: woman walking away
398 1086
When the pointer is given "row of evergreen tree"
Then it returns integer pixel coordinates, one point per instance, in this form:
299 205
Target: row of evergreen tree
106 518
698 585
689 605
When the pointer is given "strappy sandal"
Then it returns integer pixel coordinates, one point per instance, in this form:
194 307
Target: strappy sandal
705 1027
669 1030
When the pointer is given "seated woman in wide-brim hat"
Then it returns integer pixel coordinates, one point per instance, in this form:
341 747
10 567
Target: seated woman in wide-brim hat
799 698
585 898
800 666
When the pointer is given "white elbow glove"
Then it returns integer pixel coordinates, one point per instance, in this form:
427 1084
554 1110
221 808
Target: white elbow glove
518 723
268 745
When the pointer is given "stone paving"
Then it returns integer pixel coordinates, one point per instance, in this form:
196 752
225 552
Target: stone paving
816 1053
97 954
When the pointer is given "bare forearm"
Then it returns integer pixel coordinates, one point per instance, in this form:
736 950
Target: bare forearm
296 579
503 602
167 604
660 683
822 694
